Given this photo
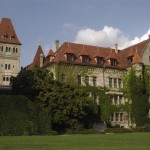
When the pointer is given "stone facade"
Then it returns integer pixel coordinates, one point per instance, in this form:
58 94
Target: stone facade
9 52
97 66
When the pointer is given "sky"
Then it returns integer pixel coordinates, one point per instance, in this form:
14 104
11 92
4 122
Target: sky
92 22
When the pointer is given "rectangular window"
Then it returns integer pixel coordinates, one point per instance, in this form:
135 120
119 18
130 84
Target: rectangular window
120 99
79 79
115 83
117 116
70 57
113 62
63 78
115 99
130 59
100 61
121 116
6 49
94 81
110 82
5 66
85 59
86 80
119 83
111 99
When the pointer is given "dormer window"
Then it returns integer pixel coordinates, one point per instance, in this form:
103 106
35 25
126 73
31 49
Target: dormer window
85 59
130 59
70 57
113 62
12 37
4 36
112 58
100 60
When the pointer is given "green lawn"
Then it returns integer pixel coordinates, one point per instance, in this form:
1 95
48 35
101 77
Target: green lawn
133 141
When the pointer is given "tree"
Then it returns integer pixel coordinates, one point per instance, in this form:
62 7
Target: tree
68 106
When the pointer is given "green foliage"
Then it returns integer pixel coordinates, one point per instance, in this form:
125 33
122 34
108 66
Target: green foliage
22 84
20 116
135 91
118 130
68 106
70 71
83 131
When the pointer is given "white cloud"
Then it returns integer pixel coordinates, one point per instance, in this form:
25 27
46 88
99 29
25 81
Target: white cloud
69 26
107 37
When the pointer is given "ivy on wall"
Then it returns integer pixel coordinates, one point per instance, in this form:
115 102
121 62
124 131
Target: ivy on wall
137 94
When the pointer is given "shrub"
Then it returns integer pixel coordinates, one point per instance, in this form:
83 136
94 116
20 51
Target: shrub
83 131
141 129
118 130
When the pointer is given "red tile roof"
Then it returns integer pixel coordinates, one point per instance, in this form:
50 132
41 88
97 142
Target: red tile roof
69 50
50 53
112 55
106 53
7 32
36 60
93 52
98 54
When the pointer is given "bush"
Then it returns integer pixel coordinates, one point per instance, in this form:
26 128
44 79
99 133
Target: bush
83 131
141 129
118 130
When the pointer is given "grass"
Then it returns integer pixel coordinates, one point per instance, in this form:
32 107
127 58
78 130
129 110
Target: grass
132 141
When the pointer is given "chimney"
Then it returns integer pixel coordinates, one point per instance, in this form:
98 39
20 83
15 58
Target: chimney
57 44
116 48
41 60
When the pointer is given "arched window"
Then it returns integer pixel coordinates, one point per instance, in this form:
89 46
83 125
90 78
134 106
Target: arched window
9 49
9 67
16 50
6 49
2 48
13 50
5 66
3 78
7 79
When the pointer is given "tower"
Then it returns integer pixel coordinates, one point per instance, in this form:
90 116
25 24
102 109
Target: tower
9 52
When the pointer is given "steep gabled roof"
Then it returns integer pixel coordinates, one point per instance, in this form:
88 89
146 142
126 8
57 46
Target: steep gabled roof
136 59
50 53
124 54
7 32
36 60
112 55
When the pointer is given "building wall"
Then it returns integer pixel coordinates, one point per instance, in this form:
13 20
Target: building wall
146 55
9 62
103 76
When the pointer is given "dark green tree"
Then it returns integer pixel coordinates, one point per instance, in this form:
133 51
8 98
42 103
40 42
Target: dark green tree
68 106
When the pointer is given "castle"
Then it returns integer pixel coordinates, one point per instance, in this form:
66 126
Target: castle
79 64
9 52
96 66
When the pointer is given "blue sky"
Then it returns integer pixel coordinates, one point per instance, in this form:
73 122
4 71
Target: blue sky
95 22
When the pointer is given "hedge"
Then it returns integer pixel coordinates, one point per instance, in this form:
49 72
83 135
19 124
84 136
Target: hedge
20 116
